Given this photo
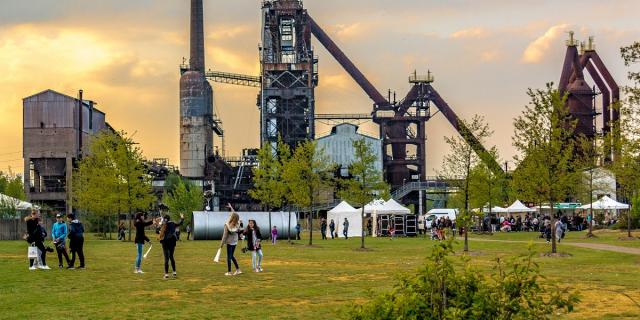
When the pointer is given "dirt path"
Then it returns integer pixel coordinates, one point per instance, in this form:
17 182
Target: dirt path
594 246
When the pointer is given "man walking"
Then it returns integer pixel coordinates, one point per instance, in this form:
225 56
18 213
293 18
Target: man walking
323 228
345 228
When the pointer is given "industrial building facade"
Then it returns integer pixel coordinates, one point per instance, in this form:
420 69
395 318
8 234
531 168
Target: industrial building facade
54 136
338 146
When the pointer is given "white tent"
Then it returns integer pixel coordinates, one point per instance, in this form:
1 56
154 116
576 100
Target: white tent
353 215
394 207
17 203
375 206
495 209
606 203
519 207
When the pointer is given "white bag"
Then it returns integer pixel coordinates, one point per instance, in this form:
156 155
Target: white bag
33 252
217 257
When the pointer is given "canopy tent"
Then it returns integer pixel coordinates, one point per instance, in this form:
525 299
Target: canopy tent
17 203
606 203
375 206
394 207
519 207
495 209
339 213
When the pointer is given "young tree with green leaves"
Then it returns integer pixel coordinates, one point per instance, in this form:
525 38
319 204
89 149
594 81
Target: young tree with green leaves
486 188
269 185
544 136
185 198
366 182
457 166
111 178
307 173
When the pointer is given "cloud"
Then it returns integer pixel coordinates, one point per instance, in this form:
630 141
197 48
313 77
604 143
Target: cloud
228 32
537 49
470 33
491 55
353 30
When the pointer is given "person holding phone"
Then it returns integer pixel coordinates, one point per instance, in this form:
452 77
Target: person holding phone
230 239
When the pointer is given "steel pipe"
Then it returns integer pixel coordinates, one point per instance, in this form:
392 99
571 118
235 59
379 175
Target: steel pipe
208 225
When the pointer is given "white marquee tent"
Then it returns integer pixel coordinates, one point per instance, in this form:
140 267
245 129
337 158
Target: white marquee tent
519 207
394 207
606 203
17 203
495 209
353 215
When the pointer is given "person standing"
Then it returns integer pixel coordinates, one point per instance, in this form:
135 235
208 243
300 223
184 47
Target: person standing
254 239
332 228
369 227
121 231
274 234
298 229
230 238
188 229
559 230
323 229
59 236
76 240
141 238
345 228
36 236
168 238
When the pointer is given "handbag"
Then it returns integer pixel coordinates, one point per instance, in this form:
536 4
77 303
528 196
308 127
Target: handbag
217 257
33 252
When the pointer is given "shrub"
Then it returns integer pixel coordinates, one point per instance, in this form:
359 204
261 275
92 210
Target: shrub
439 290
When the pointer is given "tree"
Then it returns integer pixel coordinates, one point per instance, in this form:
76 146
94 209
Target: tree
457 165
185 198
307 173
365 183
441 290
544 136
10 185
486 188
111 177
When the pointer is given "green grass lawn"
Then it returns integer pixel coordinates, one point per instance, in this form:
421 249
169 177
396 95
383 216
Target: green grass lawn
317 282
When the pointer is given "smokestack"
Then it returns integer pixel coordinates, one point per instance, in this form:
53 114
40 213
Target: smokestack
196 60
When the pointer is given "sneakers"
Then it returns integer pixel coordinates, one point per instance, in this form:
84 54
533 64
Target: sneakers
260 269
45 267
175 275
228 274
81 267
237 272
136 271
166 276
256 270
33 268
70 268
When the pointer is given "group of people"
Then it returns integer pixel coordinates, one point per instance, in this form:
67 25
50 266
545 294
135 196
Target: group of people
60 231
332 228
530 223
440 226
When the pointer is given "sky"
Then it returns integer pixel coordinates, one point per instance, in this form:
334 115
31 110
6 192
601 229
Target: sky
125 55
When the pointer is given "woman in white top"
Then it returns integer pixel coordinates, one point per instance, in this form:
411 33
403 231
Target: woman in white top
230 238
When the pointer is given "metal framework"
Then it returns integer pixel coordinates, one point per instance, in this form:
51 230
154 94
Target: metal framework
580 94
234 78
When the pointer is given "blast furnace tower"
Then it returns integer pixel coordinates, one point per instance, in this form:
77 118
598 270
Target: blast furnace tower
196 104
289 74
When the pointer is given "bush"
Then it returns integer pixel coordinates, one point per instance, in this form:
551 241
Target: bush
439 291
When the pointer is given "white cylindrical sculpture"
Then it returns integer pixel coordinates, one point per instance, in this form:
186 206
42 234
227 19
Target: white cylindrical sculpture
208 225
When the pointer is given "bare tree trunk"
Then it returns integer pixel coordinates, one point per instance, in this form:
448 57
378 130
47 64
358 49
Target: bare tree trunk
362 217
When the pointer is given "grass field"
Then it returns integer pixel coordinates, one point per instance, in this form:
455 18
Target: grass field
318 282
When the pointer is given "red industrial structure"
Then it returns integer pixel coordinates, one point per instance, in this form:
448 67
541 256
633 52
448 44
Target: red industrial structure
580 98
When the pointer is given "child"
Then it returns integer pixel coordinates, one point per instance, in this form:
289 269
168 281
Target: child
274 235
59 236
253 244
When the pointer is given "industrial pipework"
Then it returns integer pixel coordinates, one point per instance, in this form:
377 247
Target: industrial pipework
209 225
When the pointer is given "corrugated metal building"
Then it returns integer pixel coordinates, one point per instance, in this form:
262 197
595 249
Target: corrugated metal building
338 146
51 143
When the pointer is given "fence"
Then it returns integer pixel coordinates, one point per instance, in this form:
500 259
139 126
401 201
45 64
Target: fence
14 229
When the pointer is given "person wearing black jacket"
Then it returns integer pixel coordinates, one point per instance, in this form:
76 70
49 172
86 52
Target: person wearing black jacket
168 239
254 238
36 235
76 240
141 238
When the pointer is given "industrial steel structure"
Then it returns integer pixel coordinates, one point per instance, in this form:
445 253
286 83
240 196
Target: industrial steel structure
580 98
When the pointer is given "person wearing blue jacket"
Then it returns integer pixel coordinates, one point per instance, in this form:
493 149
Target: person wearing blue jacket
59 236
76 239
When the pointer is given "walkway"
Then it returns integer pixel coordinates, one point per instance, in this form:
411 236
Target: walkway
594 246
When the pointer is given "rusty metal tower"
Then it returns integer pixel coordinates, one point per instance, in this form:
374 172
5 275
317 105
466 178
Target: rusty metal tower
196 104
289 74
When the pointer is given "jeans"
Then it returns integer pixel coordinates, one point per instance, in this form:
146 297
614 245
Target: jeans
274 237
345 234
333 231
257 253
231 248
43 254
324 233
62 251
168 248
77 246
139 256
